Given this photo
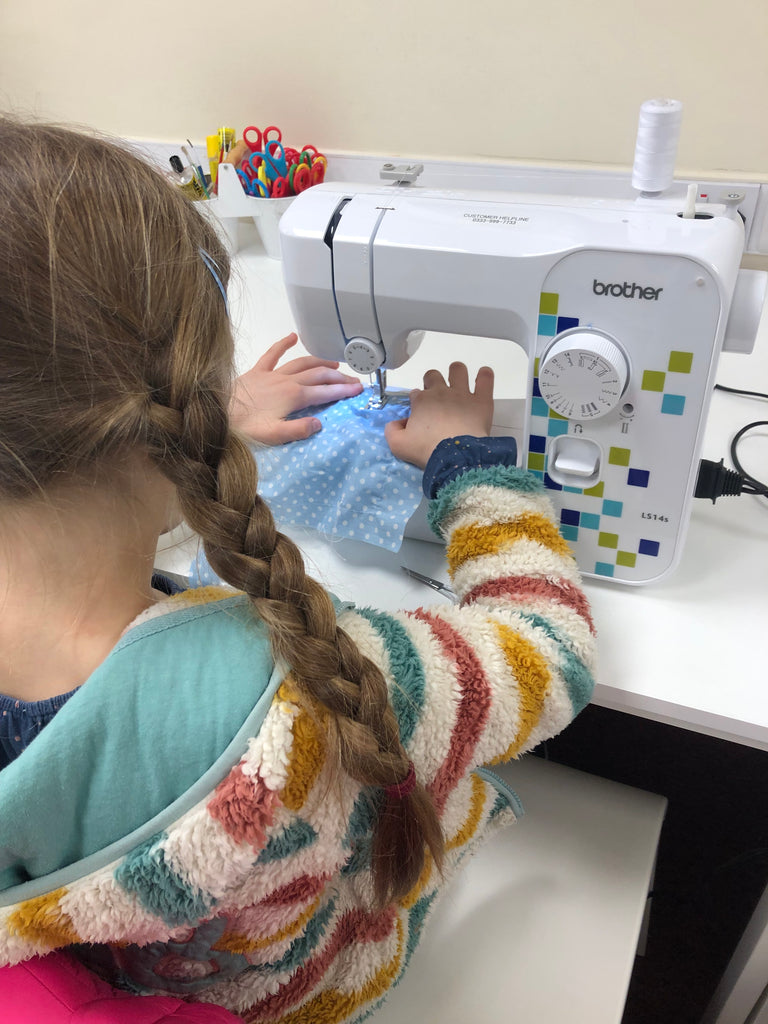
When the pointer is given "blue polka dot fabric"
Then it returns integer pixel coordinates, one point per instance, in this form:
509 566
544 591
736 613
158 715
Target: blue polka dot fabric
201 574
343 481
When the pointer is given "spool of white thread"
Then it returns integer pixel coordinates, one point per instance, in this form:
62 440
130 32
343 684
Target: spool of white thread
658 132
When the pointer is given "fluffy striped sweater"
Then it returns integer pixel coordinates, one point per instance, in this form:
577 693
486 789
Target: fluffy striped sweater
225 861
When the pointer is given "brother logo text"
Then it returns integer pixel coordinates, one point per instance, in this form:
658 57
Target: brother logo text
626 290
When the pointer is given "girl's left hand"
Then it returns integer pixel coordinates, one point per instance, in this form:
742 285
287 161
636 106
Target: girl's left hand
267 393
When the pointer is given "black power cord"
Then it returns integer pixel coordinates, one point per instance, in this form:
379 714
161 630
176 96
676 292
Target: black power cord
754 486
714 480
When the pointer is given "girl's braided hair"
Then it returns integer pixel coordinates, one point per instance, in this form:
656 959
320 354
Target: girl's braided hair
114 339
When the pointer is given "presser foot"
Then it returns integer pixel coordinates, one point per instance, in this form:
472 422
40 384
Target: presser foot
388 398
381 397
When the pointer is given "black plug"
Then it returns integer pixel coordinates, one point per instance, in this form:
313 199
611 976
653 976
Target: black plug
714 481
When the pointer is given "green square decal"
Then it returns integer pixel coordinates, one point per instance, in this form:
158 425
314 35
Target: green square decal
653 380
680 362
536 461
608 540
548 303
596 491
627 558
555 415
619 456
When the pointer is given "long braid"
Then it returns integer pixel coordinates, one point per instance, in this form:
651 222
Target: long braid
216 478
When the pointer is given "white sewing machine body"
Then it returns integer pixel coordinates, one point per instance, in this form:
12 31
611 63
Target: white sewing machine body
622 308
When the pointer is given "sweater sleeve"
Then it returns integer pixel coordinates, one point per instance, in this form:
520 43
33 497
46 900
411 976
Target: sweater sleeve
512 663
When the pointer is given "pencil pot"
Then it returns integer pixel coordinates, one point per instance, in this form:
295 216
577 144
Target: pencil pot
266 216
231 204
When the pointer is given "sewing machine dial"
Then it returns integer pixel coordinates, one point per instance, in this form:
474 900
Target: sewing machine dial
364 355
583 374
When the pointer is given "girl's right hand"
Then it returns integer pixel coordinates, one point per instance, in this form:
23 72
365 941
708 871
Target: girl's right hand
442 410
267 394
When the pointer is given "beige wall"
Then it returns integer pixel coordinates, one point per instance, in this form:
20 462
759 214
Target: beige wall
540 80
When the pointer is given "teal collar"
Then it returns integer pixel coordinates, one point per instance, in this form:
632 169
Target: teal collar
155 727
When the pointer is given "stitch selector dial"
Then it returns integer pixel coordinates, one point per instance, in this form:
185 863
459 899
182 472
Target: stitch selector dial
364 355
583 374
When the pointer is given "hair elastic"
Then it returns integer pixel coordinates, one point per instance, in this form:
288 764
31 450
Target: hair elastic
402 789
210 263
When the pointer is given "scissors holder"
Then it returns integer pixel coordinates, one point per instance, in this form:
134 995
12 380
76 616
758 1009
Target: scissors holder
232 205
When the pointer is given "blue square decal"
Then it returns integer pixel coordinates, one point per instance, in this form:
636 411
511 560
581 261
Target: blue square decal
570 516
557 427
613 508
537 443
590 521
551 484
673 405
570 533
649 547
537 393
539 407
564 323
638 477
547 325
604 569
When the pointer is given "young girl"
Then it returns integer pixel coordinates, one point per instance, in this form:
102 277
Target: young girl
245 797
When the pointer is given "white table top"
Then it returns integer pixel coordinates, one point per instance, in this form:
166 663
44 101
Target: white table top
686 651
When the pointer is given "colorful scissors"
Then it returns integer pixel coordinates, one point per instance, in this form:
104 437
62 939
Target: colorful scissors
253 186
248 171
281 187
319 165
299 177
316 161
272 159
302 175
252 172
312 151
274 170
262 139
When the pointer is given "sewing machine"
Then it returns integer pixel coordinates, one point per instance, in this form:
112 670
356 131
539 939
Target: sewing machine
622 307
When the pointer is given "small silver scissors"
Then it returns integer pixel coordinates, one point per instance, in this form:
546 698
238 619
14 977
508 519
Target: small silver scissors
441 588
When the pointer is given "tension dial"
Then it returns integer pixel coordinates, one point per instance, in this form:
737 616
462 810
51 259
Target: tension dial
583 374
